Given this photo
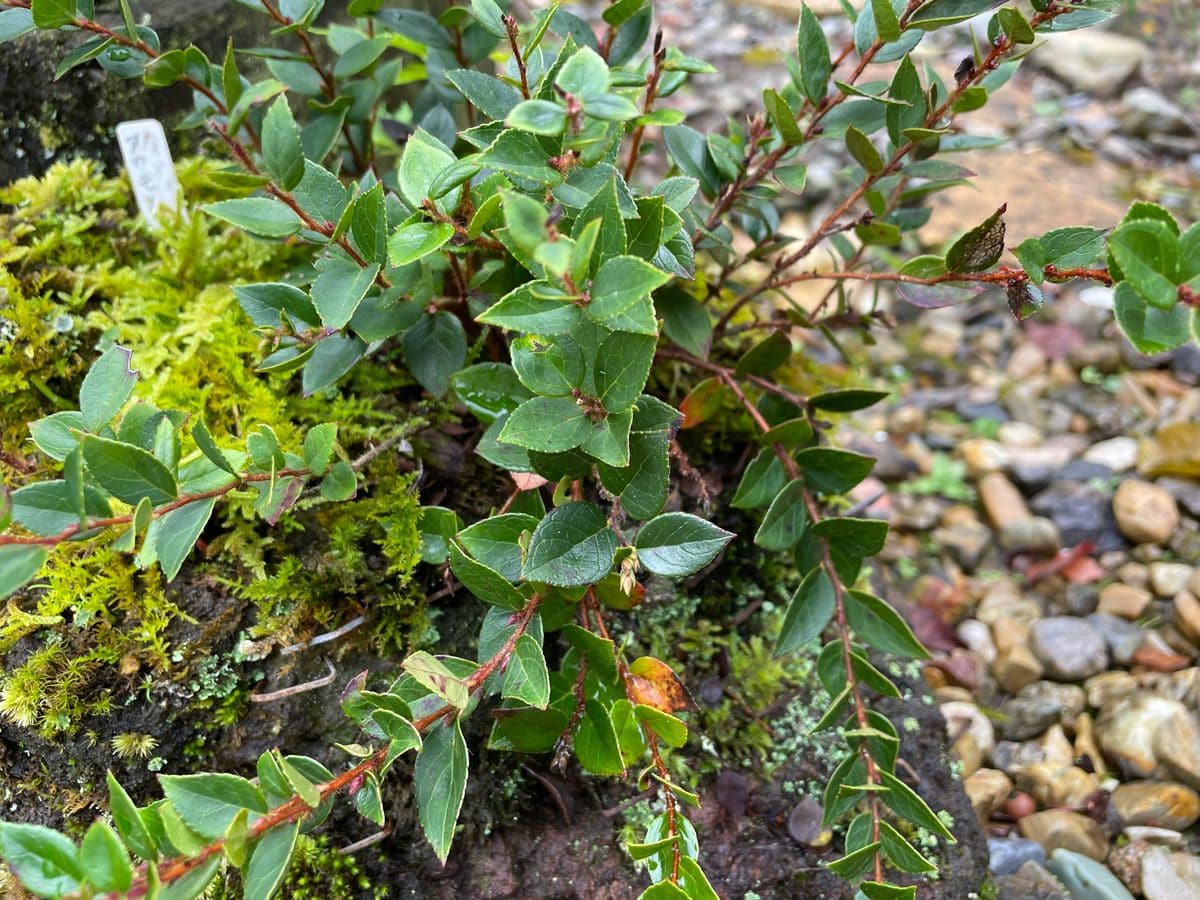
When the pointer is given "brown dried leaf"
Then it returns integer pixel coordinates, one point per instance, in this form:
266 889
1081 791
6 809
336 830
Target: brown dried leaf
655 684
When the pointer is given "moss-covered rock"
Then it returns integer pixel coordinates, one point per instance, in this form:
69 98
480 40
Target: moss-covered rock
45 119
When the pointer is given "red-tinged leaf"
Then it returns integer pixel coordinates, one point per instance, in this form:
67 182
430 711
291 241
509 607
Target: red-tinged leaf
1084 570
527 481
1159 660
656 684
704 401
931 630
1075 559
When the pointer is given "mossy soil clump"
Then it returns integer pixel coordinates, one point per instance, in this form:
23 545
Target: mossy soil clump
105 665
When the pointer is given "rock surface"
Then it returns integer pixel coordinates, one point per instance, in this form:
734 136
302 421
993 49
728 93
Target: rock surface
1145 512
1069 649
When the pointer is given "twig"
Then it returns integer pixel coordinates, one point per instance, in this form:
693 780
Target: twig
369 841
295 689
324 638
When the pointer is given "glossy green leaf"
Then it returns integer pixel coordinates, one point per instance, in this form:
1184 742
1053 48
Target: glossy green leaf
175 534
548 424
677 544
103 857
207 803
813 52
46 862
435 348
527 679
129 823
106 387
808 613
620 283
484 581
573 545
596 745
128 473
262 216
877 623
785 520
831 471
268 863
905 802
281 148
440 780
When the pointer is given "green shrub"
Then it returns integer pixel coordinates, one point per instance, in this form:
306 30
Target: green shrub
497 236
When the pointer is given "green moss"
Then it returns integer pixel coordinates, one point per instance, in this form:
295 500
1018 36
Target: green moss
357 556
95 613
317 872
79 271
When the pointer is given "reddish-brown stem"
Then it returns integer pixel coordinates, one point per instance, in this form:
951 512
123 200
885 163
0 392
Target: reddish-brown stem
652 80
1002 275
725 373
831 222
74 530
326 228
631 694
327 83
510 27
295 808
860 708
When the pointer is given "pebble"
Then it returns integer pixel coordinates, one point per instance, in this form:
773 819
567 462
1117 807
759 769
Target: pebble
1069 649
1013 758
1118 454
1019 434
1126 863
1026 360
982 456
1030 882
1065 786
1135 574
1086 746
1158 803
987 789
1062 828
1109 687
967 543
1121 637
1146 735
1170 876
1035 534
1187 614
1124 600
1086 878
1016 669
972 732
1079 600
1006 855
1004 603
1082 512
1168 579
1144 111
1039 705
1010 633
978 637
1098 64
1001 500
1150 835
1145 512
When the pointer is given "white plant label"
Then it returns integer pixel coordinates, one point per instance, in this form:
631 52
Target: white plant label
147 158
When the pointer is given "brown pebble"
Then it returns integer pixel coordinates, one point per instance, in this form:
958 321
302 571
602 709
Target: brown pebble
1020 805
